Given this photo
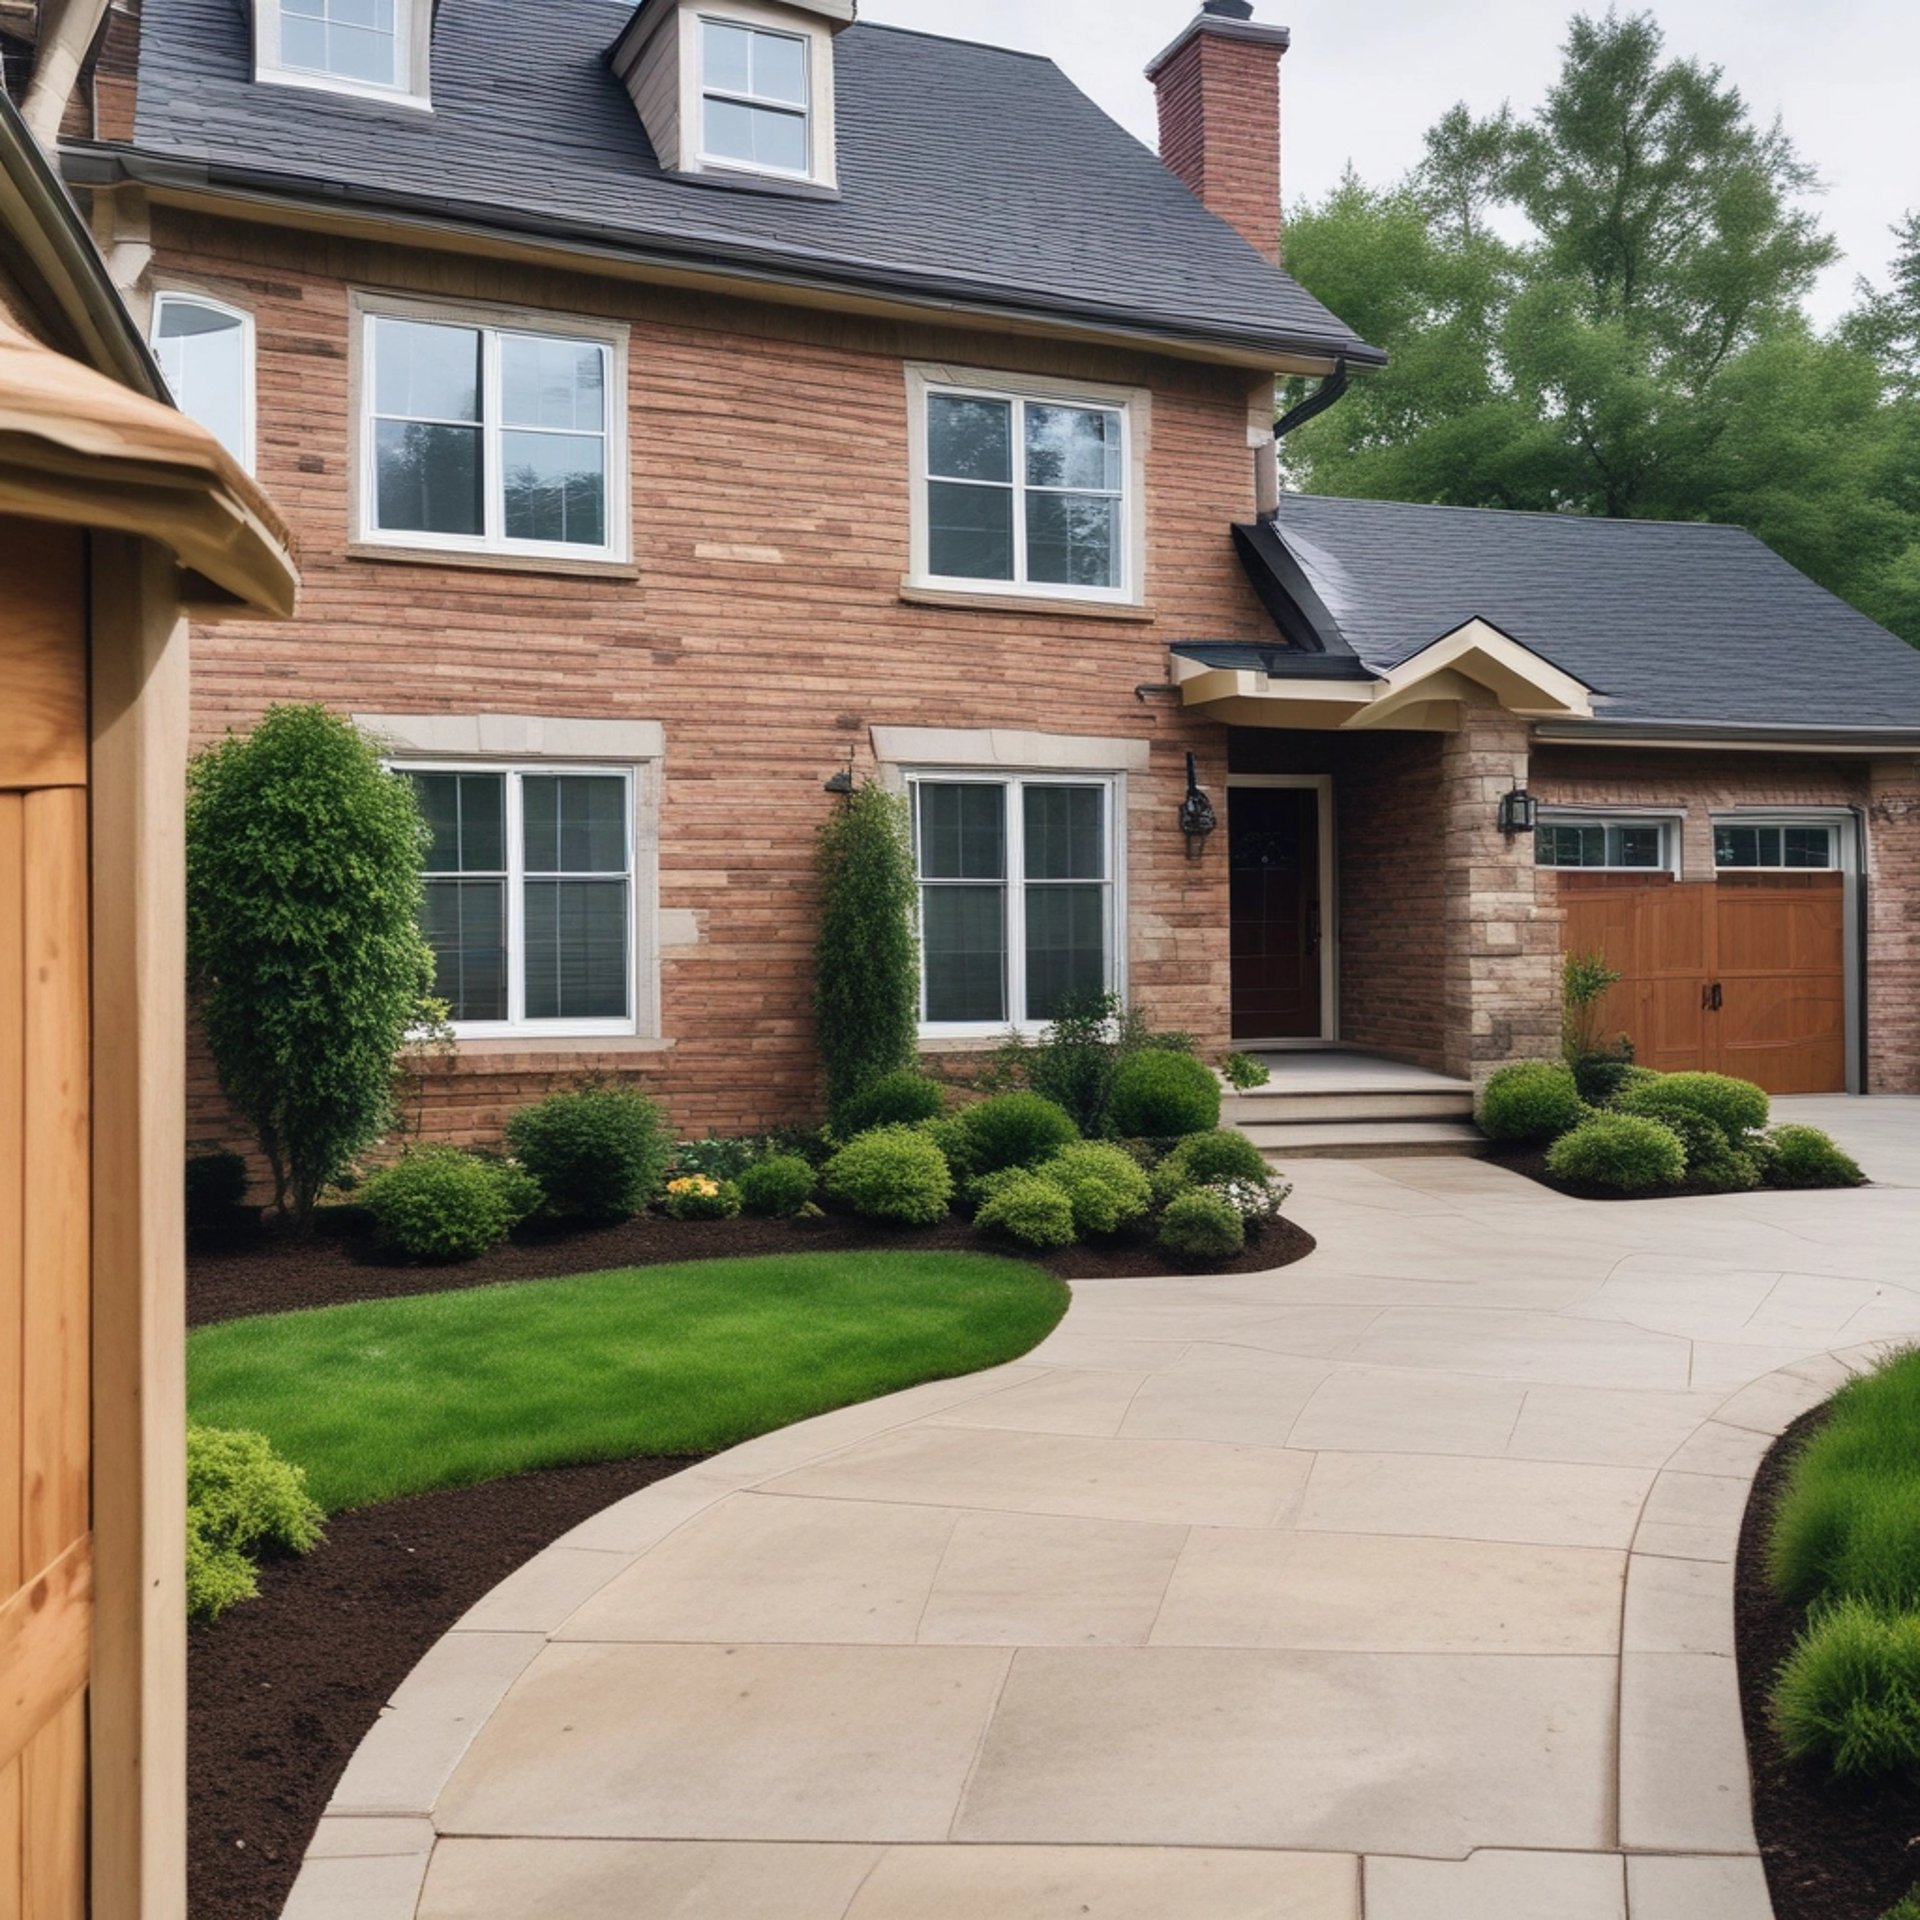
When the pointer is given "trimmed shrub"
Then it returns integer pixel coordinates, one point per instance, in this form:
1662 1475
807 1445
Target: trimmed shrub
893 1173
216 1189
1012 1130
778 1186
1849 1693
1736 1107
1531 1103
1257 1202
1622 1151
1242 1070
1703 1142
896 1099
1158 1093
698 1196
1805 1157
1733 1172
1202 1226
1602 1077
599 1153
303 895
242 1499
437 1203
1103 1183
1223 1154
1028 1207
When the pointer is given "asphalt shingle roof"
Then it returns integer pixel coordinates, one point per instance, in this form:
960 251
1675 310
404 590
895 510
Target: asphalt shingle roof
1670 622
965 170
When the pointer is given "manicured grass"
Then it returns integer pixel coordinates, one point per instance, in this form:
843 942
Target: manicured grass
394 1397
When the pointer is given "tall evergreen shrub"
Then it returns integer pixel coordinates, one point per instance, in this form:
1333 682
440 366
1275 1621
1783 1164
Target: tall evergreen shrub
866 1000
303 895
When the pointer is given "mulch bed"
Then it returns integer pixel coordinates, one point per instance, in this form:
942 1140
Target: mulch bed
281 1690
1834 1851
264 1271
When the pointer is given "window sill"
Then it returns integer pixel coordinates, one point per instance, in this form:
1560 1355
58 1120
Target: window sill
1070 609
518 1045
492 562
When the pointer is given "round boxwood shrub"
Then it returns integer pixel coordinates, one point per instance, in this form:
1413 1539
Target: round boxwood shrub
1531 1103
1223 1154
1027 1207
1700 1139
698 1196
1736 1107
242 1499
1158 1094
892 1173
778 1186
1734 1172
1202 1226
438 1203
1806 1157
599 1153
1622 1151
1104 1185
1013 1130
895 1099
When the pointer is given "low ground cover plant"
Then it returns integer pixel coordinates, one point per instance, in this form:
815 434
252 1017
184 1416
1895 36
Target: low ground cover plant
1159 1094
1622 1151
599 1153
896 1174
698 1196
437 1203
243 1501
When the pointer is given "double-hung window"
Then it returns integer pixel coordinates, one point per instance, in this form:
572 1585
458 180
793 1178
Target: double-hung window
205 350
491 439
530 897
1806 848
755 98
376 49
1017 897
1623 846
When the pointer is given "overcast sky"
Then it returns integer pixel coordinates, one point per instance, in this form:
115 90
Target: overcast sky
1363 83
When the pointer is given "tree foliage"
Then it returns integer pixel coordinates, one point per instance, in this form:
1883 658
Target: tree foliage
303 893
1597 308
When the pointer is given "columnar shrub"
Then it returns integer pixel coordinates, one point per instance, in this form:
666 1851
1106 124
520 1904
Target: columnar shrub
1622 1151
1158 1093
778 1186
599 1153
1028 1207
895 1174
242 1499
303 938
438 1203
1531 1103
866 996
1012 1130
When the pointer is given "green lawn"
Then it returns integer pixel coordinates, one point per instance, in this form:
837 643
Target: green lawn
393 1397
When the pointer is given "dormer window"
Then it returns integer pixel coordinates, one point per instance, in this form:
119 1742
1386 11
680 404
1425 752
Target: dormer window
377 49
754 98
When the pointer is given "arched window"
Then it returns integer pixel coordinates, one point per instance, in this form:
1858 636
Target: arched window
205 349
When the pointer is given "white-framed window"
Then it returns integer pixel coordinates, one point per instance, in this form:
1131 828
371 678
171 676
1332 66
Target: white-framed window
376 49
756 98
205 350
530 896
1605 845
485 435
1019 901
1796 846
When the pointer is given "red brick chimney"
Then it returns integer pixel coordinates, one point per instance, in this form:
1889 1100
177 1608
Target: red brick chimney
1219 89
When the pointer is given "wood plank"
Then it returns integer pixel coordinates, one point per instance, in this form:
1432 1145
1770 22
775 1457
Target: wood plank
12 1189
13 1864
43 661
46 1646
54 1818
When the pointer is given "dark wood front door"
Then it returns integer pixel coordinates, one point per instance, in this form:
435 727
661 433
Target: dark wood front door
1273 841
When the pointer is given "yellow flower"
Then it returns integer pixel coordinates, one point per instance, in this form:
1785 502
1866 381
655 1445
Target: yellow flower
695 1183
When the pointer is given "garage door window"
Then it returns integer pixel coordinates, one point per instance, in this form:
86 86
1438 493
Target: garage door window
1631 846
1795 848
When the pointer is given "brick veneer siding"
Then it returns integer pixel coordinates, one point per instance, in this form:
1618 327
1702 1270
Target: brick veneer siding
1219 105
766 629
1893 926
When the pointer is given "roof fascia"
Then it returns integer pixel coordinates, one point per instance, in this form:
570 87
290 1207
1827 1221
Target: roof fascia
1719 737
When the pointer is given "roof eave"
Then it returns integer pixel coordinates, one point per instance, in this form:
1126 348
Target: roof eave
1753 736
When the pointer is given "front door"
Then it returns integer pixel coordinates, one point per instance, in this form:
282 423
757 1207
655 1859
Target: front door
1273 850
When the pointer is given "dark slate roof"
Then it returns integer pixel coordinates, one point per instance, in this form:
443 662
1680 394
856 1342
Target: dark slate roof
966 172
1668 622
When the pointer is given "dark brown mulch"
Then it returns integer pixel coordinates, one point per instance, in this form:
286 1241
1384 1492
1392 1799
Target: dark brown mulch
1834 1850
266 1271
281 1690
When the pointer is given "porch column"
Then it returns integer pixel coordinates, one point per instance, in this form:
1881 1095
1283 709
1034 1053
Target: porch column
1893 927
1501 986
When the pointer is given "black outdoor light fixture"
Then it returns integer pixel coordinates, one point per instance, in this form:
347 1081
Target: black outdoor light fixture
1197 819
1519 812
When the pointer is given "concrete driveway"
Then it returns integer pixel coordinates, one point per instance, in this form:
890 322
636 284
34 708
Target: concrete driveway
1395 1583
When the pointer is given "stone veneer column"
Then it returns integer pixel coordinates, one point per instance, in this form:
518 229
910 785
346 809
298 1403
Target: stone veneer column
1893 926
1501 982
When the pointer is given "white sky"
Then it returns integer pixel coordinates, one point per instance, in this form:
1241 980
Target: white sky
1365 81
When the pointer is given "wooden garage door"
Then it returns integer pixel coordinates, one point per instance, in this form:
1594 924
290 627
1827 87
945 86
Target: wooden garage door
45 1544
1744 975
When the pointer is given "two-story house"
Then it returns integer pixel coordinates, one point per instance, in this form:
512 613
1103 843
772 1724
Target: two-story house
680 405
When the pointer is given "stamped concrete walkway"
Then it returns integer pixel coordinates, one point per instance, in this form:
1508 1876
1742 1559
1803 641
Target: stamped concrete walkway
1397 1583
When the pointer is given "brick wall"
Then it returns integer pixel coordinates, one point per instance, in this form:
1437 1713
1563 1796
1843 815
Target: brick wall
1219 106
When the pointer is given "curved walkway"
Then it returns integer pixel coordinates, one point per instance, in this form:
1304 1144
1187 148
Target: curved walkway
1397 1583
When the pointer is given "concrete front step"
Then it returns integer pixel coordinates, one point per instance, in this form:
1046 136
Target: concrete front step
1283 1105
1367 1140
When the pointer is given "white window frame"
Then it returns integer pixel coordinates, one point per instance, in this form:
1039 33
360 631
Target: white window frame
493 323
517 1025
1133 407
804 111
413 54
165 297
1668 825
1826 822
1013 781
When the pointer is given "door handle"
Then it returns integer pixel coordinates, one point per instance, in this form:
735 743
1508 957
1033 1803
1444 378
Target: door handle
1719 996
1712 998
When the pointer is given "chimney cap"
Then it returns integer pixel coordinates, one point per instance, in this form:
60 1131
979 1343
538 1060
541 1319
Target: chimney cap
1229 20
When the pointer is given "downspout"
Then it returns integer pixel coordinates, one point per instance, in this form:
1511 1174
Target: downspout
1863 926
67 33
1317 402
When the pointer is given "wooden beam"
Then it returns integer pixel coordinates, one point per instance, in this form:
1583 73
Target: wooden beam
43 659
46 1646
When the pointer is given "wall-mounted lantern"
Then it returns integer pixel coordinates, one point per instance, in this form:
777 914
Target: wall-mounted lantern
1519 813
1197 819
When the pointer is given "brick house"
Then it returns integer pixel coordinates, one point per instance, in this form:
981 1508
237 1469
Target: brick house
679 405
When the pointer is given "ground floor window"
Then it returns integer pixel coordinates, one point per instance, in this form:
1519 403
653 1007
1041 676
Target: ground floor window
1737 846
530 897
1017 907
1620 845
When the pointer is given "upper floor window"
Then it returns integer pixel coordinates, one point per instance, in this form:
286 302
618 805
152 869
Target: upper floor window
1606 845
1805 848
205 350
373 47
755 100
491 438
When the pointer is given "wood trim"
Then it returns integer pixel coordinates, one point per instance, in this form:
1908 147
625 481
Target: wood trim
46 1647
43 655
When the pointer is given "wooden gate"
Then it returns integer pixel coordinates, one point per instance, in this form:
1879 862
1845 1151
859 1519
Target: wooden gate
46 1568
1744 975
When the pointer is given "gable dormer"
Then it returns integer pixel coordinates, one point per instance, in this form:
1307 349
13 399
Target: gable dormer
373 49
737 87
